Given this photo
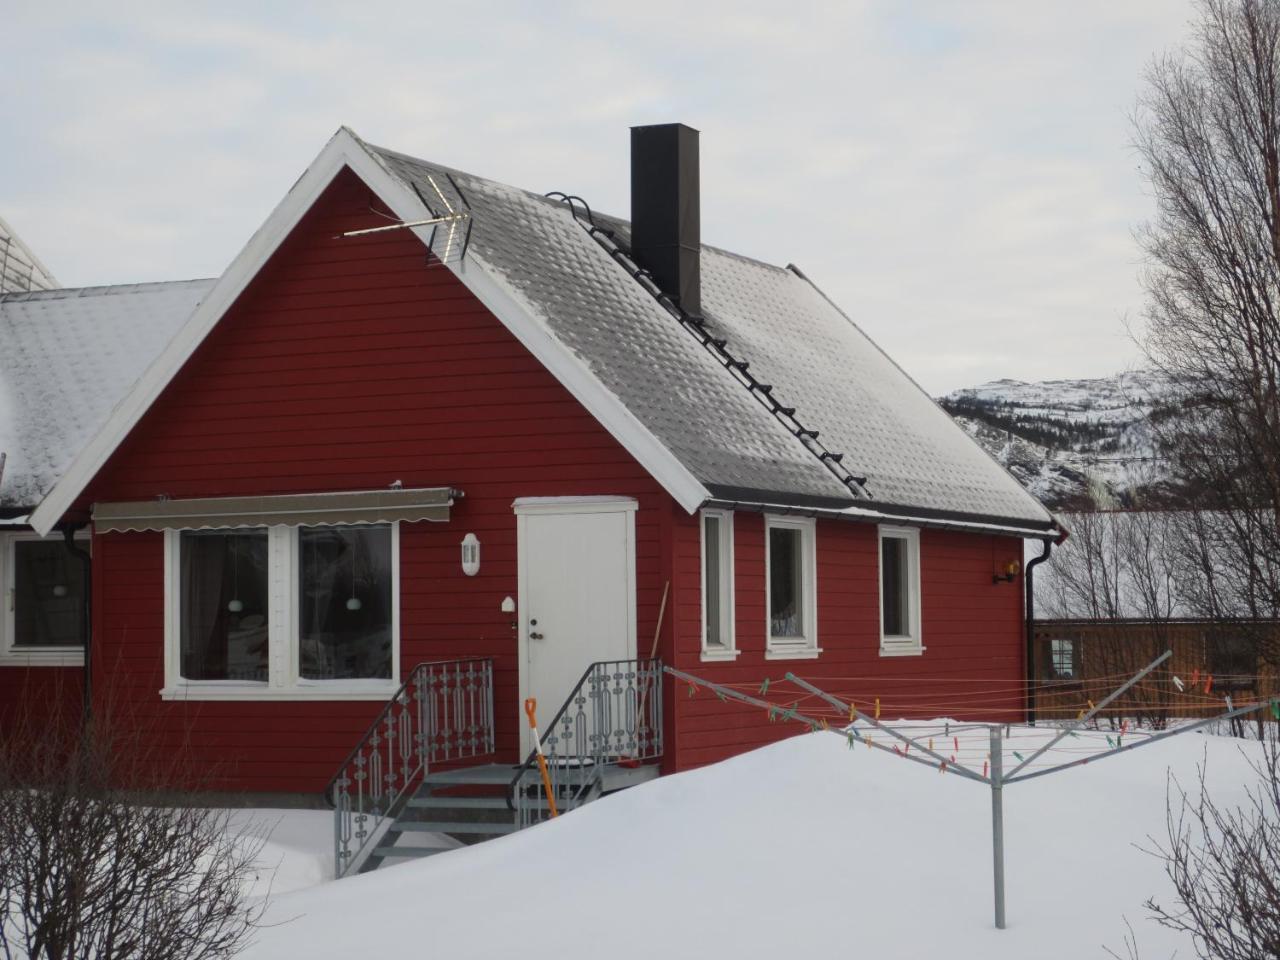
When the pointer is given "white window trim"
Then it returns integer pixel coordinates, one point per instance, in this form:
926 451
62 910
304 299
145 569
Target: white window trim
913 645
12 655
719 651
794 648
284 649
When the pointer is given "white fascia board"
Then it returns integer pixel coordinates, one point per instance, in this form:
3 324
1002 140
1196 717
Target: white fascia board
345 149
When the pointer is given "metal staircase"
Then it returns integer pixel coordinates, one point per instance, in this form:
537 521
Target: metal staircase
415 775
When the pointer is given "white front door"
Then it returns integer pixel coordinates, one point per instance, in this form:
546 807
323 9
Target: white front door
577 594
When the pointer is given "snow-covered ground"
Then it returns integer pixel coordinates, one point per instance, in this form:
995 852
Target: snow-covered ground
803 848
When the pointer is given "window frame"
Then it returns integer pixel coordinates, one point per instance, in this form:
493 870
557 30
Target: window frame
912 643
284 647
793 648
11 655
717 650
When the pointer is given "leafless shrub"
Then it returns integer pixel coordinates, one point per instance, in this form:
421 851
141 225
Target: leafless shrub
1224 863
100 857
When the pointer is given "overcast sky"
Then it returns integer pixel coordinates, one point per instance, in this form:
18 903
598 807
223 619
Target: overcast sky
957 176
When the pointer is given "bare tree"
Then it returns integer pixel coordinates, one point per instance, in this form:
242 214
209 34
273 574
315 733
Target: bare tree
101 857
1224 863
1208 132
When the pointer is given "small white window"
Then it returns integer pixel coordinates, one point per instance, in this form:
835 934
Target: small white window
791 588
42 623
282 612
900 591
717 586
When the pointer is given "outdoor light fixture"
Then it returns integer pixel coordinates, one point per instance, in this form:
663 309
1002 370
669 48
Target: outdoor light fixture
1011 570
470 555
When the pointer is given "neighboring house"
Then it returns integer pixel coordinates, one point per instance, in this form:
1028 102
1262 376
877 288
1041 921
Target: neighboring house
20 269
1119 593
351 458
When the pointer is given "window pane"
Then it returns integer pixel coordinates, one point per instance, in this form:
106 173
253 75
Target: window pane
1063 656
344 602
224 605
711 549
48 595
895 587
786 586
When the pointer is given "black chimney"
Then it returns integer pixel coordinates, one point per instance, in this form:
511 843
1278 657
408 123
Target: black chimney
666 236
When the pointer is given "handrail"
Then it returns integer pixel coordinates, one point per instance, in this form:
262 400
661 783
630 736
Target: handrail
394 699
605 715
443 711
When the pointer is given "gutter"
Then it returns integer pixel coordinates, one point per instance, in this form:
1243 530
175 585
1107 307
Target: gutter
86 611
868 515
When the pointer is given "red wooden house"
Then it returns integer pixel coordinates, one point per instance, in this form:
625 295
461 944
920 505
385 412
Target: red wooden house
511 440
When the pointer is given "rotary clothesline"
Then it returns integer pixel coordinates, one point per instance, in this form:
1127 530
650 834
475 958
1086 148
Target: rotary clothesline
847 715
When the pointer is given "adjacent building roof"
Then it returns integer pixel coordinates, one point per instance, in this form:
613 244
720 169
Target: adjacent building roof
20 269
68 358
681 412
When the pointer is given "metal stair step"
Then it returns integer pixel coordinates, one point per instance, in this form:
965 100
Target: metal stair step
458 803
386 853
416 826
491 773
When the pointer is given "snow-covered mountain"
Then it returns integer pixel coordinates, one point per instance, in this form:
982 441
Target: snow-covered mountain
1069 440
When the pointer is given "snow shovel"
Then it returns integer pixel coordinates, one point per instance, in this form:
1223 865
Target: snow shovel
530 709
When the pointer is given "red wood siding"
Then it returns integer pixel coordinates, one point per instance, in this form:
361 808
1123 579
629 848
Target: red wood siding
348 364
972 630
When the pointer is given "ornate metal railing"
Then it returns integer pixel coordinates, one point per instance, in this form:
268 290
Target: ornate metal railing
442 712
613 716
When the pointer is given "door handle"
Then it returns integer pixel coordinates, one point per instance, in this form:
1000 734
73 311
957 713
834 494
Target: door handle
533 634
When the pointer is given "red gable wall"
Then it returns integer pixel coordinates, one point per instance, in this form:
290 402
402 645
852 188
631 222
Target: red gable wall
346 365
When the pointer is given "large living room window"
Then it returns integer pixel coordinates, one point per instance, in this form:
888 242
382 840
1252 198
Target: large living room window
791 588
282 612
42 622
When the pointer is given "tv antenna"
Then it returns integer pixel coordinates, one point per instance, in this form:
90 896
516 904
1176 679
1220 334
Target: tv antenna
450 224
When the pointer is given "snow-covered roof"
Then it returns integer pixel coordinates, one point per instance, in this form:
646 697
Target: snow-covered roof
68 358
20 269
818 360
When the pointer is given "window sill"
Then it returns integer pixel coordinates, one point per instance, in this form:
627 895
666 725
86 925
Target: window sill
793 653
43 658
235 691
719 654
905 650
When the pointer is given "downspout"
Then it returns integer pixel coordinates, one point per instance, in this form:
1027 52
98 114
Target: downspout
86 611
1030 615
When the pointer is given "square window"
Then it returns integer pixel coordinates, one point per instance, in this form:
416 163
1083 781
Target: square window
344 603
791 587
48 596
224 616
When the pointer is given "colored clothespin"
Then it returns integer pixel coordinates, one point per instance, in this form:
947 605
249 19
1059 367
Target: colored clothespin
984 767
693 689
853 712
931 744
942 767
1017 755
953 758
955 742
720 696
1195 677
850 738
1110 743
1275 709
764 687
824 724
1091 706
877 708
1208 683
1177 682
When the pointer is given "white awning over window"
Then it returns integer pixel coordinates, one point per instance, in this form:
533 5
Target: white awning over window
306 509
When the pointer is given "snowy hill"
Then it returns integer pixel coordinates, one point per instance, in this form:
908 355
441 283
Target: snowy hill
1066 438
804 848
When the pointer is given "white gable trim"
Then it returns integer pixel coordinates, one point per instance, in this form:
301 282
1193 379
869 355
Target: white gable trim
345 149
